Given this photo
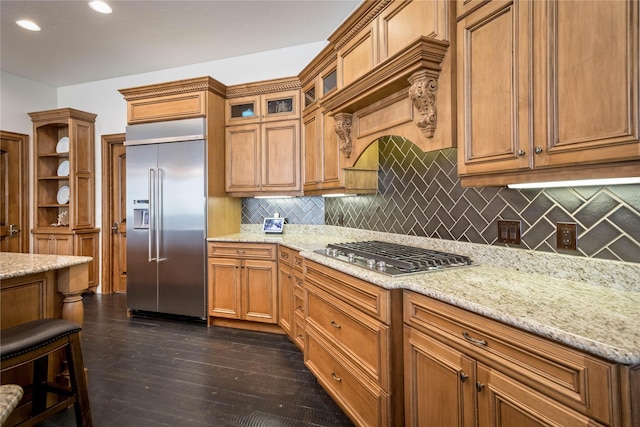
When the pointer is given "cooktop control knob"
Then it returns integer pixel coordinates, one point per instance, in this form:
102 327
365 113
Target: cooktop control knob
371 263
382 266
351 257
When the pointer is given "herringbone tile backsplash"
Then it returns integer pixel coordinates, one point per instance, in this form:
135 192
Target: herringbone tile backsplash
420 194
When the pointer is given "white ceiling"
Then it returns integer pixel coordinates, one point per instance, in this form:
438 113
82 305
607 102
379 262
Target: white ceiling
78 45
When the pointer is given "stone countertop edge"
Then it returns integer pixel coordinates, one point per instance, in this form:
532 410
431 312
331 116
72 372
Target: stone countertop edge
19 264
573 312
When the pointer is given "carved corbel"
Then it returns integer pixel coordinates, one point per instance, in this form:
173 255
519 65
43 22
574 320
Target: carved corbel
423 95
343 129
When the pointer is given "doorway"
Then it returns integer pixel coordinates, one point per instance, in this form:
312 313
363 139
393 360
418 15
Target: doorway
114 242
14 192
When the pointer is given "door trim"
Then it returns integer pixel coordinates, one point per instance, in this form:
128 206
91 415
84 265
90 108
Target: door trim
23 141
108 142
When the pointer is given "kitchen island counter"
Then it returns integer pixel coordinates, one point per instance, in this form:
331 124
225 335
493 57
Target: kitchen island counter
588 304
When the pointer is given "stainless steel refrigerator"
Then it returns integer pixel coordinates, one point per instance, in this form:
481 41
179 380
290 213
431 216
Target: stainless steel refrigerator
166 217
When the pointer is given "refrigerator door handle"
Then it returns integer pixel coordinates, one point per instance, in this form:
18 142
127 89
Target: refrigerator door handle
152 211
159 212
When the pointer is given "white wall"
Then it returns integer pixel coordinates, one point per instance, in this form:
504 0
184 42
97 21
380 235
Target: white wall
20 96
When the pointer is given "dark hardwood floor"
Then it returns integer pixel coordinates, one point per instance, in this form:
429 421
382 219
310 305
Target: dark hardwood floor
162 372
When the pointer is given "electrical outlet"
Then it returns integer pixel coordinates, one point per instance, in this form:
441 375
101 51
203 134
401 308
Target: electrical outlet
509 232
567 235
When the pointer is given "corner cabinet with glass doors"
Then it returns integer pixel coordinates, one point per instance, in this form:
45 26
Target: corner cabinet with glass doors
64 208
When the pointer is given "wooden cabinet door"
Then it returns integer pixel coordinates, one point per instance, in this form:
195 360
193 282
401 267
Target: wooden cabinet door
53 244
439 383
504 402
332 157
586 82
243 158
86 244
224 288
285 297
495 88
281 156
259 291
311 139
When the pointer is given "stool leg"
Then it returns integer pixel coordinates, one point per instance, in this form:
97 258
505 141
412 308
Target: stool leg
78 382
40 374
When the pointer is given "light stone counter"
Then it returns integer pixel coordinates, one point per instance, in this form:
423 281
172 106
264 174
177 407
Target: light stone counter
16 265
592 305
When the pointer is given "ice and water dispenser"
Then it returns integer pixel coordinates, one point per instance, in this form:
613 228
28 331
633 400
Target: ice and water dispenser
141 214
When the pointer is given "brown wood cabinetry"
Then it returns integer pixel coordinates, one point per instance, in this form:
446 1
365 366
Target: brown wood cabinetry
290 288
262 143
459 366
547 90
243 283
352 344
64 166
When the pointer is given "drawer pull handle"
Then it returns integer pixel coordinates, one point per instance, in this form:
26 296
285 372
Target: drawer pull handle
335 325
335 377
240 252
479 386
473 340
463 376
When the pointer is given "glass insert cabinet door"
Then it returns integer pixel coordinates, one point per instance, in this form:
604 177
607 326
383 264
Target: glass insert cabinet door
259 108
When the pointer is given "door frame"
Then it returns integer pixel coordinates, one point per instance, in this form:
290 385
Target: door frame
108 142
23 141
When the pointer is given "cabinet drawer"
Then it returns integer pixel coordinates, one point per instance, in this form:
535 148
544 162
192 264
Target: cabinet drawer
364 402
298 261
359 337
298 331
242 250
298 302
285 255
366 297
577 379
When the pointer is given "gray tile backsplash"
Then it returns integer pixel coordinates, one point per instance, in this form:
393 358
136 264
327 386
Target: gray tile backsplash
420 194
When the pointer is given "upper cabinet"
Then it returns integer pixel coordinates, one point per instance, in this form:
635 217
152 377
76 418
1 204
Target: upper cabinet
262 143
547 91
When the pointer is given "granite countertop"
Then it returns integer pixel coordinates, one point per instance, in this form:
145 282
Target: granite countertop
580 306
17 264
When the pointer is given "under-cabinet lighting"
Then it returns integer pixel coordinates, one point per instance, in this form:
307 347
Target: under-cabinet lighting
100 6
338 195
28 25
273 197
577 183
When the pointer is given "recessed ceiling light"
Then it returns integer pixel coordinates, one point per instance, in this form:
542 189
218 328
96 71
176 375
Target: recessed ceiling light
28 25
100 6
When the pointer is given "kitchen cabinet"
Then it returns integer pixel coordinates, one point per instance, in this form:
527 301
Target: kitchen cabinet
290 288
548 90
242 283
352 339
64 168
262 143
462 369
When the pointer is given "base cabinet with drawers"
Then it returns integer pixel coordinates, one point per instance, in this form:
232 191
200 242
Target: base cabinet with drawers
462 369
290 302
353 344
242 283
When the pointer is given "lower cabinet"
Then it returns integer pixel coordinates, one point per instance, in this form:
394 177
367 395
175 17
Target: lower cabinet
462 369
290 283
353 344
243 282
78 243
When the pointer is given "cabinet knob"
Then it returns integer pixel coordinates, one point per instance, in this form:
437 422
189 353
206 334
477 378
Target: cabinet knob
463 376
538 149
520 153
479 386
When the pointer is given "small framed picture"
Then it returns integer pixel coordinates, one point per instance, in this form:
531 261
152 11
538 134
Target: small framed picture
273 225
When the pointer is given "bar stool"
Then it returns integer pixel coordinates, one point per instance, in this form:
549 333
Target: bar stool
33 342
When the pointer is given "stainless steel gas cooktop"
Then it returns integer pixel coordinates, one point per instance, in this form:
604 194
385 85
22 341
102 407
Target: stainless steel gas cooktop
393 259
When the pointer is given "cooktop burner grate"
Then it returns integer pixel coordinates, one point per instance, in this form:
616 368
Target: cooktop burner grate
394 259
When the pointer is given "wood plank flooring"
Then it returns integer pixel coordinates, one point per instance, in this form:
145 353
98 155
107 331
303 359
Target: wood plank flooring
161 372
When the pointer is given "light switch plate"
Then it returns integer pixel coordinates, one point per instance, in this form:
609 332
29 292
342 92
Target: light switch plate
509 232
567 236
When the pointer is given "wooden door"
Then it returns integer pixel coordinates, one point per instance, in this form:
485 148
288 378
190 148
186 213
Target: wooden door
114 239
14 192
495 88
439 383
281 156
259 291
242 147
504 402
224 288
